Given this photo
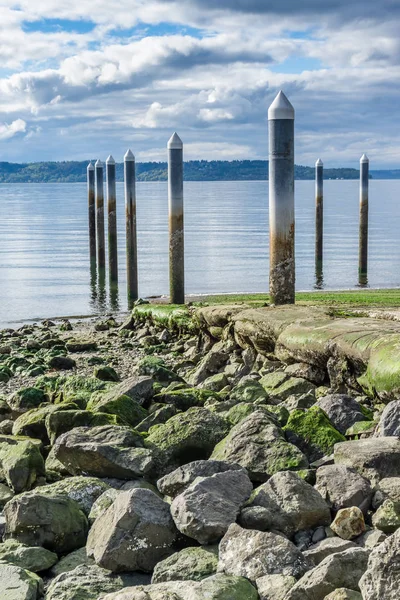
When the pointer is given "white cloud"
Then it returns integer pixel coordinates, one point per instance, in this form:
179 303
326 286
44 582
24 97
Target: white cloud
8 130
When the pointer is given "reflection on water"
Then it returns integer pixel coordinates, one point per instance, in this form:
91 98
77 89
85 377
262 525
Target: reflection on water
44 253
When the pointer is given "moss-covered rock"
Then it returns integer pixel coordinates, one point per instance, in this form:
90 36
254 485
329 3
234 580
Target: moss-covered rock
33 422
387 517
124 407
186 437
106 374
19 584
186 398
193 564
61 421
170 316
312 432
21 464
26 398
83 490
67 563
249 391
157 417
33 558
157 368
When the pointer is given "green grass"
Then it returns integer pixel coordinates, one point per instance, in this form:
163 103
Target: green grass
352 298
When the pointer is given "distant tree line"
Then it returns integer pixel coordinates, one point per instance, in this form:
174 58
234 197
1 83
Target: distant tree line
194 170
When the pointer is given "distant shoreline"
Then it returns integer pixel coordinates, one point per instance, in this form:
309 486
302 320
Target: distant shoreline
195 170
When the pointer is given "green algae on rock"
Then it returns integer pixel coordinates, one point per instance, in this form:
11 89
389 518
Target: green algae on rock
190 564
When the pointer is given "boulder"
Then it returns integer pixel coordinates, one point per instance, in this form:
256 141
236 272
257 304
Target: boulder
160 415
5 495
274 587
293 504
257 444
312 432
249 391
54 522
381 579
343 594
21 463
306 371
387 517
33 422
90 582
330 545
343 569
107 451
348 523
126 408
371 538
374 458
183 399
176 482
18 584
209 505
389 423
70 561
32 558
26 398
190 564
387 489
186 437
342 487
253 554
135 533
343 411
62 421
83 490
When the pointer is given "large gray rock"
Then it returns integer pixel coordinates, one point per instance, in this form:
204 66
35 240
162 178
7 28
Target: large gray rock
343 594
216 587
293 504
18 584
21 463
343 411
389 423
253 554
374 458
257 444
135 533
331 545
343 569
84 490
381 580
33 559
387 489
274 587
138 388
90 583
342 487
190 564
69 562
176 482
54 522
206 508
107 451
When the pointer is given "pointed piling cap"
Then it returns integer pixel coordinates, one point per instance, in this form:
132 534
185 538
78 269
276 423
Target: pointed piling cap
110 160
364 159
98 163
319 163
281 108
129 155
90 166
175 142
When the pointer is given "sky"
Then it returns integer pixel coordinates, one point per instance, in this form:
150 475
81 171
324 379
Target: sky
83 79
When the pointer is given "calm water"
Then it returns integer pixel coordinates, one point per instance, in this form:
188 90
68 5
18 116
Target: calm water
44 266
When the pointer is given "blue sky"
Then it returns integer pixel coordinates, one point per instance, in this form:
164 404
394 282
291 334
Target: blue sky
83 78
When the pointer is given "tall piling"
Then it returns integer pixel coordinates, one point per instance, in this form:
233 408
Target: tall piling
363 233
281 201
130 214
92 215
101 255
319 219
112 220
175 217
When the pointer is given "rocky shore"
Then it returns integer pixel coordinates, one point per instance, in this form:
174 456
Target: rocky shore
218 453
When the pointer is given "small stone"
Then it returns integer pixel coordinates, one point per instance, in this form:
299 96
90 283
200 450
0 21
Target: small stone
62 363
348 523
106 374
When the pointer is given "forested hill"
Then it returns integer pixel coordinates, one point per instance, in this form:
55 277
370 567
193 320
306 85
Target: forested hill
194 170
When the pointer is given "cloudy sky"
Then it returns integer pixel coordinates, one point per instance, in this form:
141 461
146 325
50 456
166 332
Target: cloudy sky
83 78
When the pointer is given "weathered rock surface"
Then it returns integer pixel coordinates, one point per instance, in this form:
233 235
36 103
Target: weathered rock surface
209 505
332 545
190 564
54 522
387 489
348 523
19 584
257 444
344 594
33 559
343 569
21 463
90 583
103 452
135 533
253 554
343 411
294 505
389 423
343 487
381 580
374 458
274 587
176 482
83 490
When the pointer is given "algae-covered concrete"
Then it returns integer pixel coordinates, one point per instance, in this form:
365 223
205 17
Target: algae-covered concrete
316 335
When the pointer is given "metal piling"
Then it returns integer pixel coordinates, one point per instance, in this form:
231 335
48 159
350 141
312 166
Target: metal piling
175 217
